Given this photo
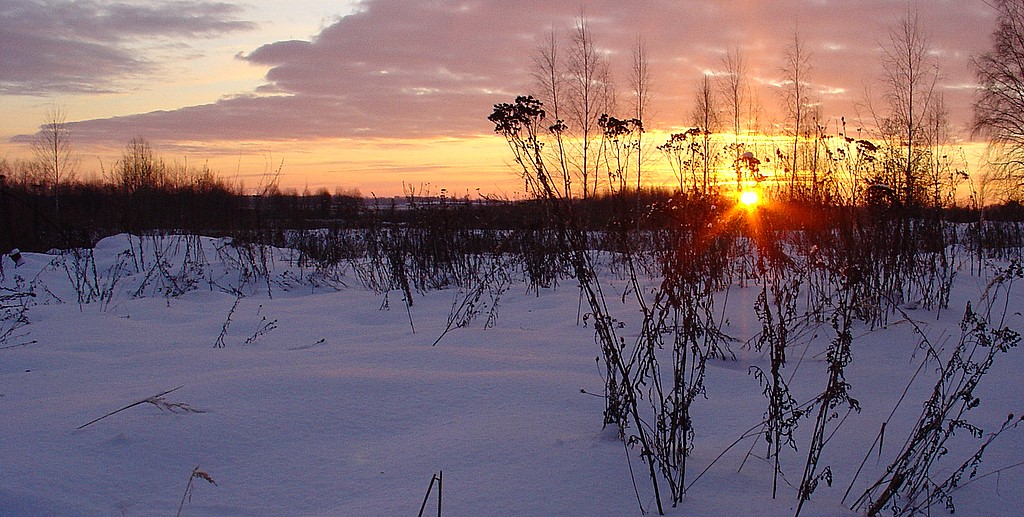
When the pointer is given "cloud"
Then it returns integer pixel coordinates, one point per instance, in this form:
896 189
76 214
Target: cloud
88 46
411 68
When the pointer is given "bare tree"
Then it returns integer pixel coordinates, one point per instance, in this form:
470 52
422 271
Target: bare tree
547 73
999 108
575 90
705 116
733 84
138 170
640 80
589 89
734 88
549 76
984 187
910 79
52 149
941 173
796 97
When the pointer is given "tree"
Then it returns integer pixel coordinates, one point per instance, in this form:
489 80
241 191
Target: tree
548 73
796 98
999 107
138 170
589 86
705 117
734 88
640 80
733 83
943 171
52 149
576 90
910 79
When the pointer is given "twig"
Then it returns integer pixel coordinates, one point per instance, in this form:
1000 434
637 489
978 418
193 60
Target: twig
435 477
149 400
27 343
307 347
219 343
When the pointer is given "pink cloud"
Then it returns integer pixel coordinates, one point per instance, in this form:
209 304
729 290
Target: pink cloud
406 68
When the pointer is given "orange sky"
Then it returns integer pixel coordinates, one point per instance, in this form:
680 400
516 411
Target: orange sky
379 94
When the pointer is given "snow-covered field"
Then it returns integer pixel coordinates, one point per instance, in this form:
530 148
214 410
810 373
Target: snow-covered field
322 402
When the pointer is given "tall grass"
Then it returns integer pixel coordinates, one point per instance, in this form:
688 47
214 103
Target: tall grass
822 268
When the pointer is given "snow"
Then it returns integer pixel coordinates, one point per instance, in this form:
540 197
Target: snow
339 408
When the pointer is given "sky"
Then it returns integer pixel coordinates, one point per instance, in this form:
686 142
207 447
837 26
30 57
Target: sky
385 96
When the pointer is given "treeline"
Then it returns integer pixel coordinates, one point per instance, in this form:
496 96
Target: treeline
146 195
141 194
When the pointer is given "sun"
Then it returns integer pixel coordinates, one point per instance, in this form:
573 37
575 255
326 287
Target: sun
749 199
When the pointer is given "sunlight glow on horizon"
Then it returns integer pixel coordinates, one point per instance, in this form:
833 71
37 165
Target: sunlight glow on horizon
468 166
749 199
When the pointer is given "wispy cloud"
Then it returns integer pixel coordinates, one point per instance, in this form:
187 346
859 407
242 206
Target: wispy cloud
89 46
407 68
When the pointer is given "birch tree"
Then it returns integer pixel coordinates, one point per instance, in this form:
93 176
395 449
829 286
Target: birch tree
910 79
999 107
52 149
